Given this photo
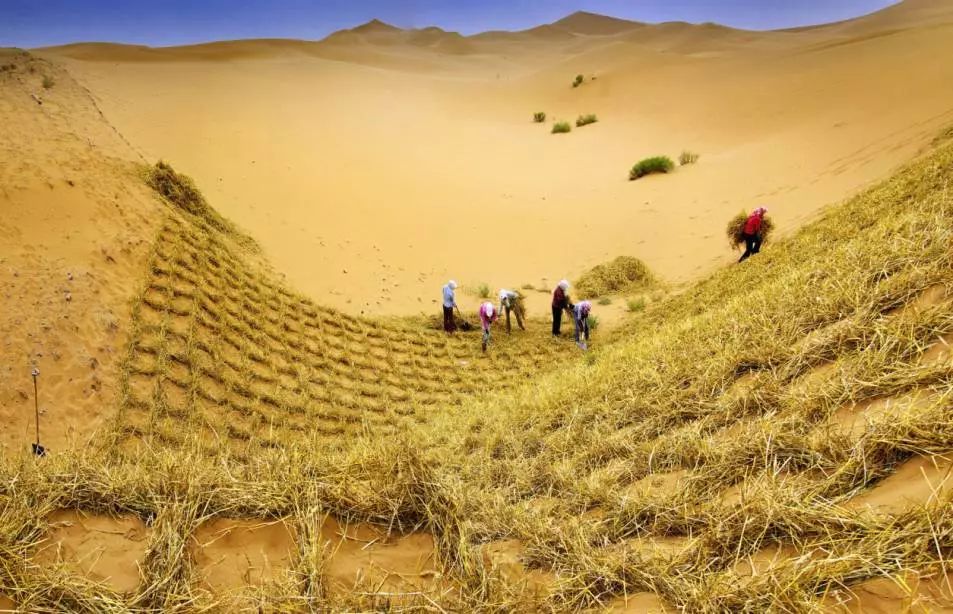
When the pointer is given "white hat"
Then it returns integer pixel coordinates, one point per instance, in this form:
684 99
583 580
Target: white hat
564 284
488 309
452 284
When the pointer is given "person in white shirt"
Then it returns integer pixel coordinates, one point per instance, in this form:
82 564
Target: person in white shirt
511 301
449 304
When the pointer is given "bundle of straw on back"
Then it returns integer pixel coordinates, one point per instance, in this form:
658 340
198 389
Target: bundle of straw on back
736 229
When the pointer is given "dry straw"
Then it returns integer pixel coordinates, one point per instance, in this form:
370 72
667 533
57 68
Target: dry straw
698 442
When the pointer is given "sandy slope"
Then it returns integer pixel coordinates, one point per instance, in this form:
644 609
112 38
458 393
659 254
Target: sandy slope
376 164
73 231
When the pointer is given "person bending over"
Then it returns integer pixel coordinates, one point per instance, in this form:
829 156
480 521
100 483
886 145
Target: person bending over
511 301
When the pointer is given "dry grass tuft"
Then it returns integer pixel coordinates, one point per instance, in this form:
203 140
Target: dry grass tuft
623 274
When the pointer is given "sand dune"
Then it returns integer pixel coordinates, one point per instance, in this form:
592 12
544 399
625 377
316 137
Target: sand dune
235 414
74 227
379 162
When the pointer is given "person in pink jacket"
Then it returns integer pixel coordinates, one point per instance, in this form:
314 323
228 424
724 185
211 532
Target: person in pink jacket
488 316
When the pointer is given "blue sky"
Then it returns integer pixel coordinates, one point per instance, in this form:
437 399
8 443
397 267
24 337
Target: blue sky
34 23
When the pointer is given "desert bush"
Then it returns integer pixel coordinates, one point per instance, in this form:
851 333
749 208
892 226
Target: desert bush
648 166
577 81
483 290
528 287
623 273
736 227
593 321
539 117
48 82
605 300
636 305
585 120
561 127
687 157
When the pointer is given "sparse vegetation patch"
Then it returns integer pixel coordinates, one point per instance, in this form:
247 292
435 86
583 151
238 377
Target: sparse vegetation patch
539 117
48 82
687 157
636 305
578 81
648 166
561 128
585 120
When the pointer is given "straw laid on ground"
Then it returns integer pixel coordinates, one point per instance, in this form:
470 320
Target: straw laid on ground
727 451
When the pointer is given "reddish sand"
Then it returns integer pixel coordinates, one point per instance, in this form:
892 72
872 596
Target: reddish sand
921 480
639 603
505 557
940 351
853 420
658 485
101 548
908 593
232 554
366 557
235 553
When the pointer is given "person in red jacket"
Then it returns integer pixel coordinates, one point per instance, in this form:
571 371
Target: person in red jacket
561 303
752 233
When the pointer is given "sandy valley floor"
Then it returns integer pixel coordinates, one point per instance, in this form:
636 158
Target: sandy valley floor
376 164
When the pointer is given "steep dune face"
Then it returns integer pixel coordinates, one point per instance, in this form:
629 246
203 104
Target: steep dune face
75 223
376 164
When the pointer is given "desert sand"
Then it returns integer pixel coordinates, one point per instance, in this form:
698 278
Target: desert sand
75 225
372 166
375 164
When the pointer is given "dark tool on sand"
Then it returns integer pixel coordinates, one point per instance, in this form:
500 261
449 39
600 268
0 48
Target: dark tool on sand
38 450
465 326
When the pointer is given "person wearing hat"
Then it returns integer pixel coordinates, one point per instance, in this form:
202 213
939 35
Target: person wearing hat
752 233
488 315
511 301
449 304
561 303
580 319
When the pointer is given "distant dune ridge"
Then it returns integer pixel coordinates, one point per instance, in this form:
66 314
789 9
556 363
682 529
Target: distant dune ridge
428 133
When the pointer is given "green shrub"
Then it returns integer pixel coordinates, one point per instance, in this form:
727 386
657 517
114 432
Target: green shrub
636 305
483 290
623 273
585 120
593 321
655 164
561 128
605 300
688 157
577 81
539 117
48 82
